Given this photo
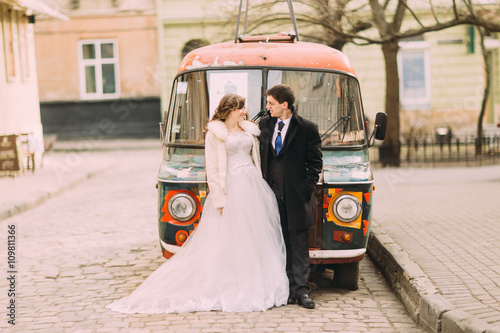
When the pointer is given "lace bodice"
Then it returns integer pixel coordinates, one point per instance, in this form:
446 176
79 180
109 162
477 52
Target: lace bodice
238 148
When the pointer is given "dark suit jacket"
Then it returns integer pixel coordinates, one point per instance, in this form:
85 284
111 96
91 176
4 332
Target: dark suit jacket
303 164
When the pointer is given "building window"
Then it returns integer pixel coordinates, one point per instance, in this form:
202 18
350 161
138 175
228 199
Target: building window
98 69
414 74
7 15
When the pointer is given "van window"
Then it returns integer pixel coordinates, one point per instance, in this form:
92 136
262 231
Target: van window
331 100
196 95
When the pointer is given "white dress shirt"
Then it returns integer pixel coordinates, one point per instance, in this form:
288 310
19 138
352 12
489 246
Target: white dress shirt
283 131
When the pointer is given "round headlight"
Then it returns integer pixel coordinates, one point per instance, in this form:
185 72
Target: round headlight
182 207
347 208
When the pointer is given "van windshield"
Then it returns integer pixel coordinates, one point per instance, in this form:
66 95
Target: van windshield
331 100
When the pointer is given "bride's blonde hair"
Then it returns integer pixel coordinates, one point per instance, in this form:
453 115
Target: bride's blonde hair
227 104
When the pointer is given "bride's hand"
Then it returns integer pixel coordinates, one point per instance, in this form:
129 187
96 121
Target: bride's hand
220 210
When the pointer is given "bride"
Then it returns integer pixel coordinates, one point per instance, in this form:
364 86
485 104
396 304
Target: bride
235 259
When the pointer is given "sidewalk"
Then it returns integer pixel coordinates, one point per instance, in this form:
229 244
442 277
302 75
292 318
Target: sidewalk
435 238
65 166
434 235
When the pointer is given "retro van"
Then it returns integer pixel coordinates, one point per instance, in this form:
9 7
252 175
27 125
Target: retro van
327 93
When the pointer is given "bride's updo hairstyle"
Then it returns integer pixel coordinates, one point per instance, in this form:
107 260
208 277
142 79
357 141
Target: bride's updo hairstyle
227 104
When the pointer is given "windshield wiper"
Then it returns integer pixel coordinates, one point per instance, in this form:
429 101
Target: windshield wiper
259 115
342 120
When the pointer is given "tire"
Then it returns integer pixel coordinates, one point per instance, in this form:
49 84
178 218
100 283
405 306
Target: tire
346 276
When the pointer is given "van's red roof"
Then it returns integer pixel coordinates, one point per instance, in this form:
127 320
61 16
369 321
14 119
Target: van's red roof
282 54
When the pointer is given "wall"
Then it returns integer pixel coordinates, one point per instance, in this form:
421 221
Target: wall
136 111
19 105
457 83
178 24
96 120
57 54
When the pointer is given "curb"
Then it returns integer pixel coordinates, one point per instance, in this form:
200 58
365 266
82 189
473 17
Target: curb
76 147
106 145
417 292
99 149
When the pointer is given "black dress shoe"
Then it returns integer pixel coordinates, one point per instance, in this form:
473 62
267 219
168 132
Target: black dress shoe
292 299
306 302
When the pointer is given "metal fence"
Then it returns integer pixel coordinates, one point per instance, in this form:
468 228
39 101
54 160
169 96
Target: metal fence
444 151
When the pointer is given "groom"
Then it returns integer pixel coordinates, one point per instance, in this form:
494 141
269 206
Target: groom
291 158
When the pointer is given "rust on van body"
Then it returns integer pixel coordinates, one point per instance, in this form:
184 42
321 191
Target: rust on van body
267 52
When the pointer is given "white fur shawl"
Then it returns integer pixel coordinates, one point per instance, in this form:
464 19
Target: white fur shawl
216 156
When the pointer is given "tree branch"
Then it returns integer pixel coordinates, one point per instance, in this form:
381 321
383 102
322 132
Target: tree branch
479 20
378 17
435 27
461 20
412 13
400 15
434 12
455 11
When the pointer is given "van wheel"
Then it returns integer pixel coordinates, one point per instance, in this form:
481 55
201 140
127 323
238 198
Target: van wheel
346 276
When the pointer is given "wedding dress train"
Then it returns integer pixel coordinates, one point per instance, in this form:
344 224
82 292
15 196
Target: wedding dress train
234 262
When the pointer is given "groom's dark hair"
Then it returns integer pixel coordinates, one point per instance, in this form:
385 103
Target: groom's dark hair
282 93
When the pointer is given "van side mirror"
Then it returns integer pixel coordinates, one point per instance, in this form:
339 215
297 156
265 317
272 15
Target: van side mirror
380 127
163 128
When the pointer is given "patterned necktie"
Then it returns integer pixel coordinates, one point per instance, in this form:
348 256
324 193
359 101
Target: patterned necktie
278 138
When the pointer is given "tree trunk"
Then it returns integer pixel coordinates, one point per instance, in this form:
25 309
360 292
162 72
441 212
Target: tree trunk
486 94
391 145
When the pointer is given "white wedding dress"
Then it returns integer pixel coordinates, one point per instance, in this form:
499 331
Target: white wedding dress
234 262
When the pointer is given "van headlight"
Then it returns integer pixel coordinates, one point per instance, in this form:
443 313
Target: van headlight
347 208
182 207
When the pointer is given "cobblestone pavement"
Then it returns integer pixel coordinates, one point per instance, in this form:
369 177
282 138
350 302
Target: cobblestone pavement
447 221
97 242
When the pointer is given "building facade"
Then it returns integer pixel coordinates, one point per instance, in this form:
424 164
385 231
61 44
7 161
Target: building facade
19 102
98 72
181 29
442 79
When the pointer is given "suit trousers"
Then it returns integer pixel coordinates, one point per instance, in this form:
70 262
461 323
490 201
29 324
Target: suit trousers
298 263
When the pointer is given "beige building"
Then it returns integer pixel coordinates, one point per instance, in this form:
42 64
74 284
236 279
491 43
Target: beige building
442 80
180 29
19 103
98 72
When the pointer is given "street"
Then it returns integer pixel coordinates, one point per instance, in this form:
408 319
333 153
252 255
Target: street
98 241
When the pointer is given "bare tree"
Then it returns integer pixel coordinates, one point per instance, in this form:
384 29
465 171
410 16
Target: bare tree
486 93
485 21
350 21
